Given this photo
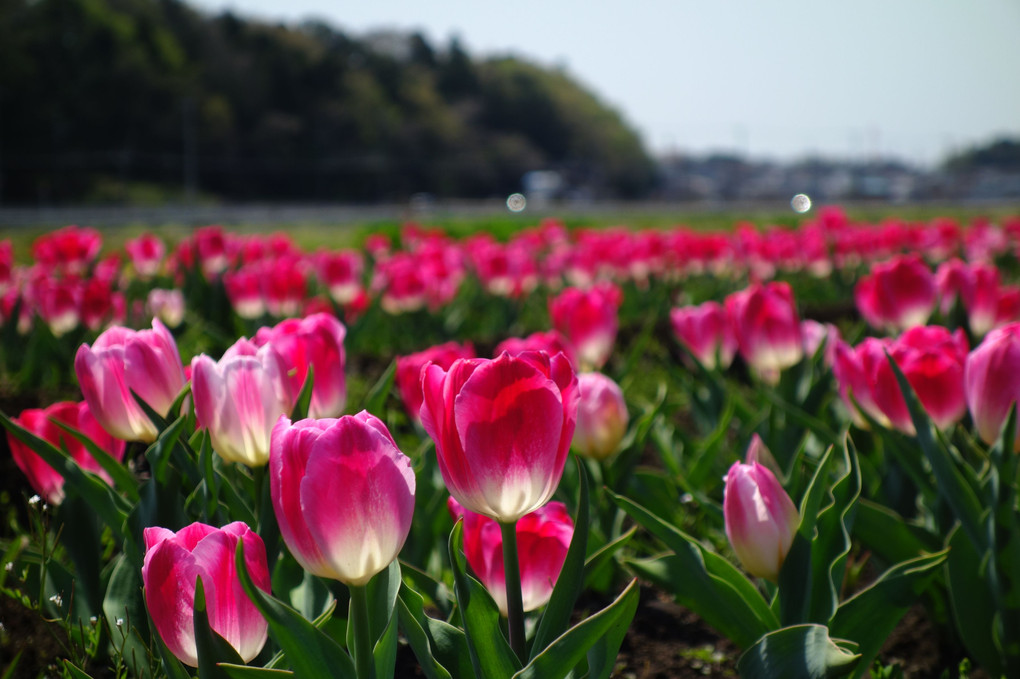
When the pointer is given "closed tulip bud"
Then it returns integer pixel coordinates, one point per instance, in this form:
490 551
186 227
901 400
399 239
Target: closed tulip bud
601 416
990 381
343 495
589 320
408 375
543 538
767 326
240 398
897 294
502 429
761 520
707 332
316 341
173 564
44 479
121 361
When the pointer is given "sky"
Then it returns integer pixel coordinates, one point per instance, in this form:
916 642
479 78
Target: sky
780 79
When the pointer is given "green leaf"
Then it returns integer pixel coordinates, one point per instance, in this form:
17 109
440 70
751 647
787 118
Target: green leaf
124 602
211 647
798 652
376 400
310 652
441 649
702 580
972 603
608 626
604 555
245 672
556 617
889 535
304 397
491 655
70 670
123 479
869 617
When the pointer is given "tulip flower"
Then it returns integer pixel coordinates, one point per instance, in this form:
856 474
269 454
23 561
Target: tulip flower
707 332
502 429
341 273
589 320
173 564
990 381
761 519
146 253
240 398
767 328
45 480
121 361
408 375
897 294
543 538
343 495
551 342
852 368
316 341
166 305
601 416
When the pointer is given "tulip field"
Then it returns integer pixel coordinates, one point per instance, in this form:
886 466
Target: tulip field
454 456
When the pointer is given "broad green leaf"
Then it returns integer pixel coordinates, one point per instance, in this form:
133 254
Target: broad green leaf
564 653
869 617
376 400
972 603
703 581
441 649
245 672
211 647
604 555
124 608
556 617
491 655
889 535
74 672
797 652
303 398
123 479
310 652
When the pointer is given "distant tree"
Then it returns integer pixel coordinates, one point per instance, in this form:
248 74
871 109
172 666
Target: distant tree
1001 154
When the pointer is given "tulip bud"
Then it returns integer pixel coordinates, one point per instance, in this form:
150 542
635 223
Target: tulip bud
897 294
767 327
589 319
761 520
502 429
543 538
174 562
121 361
990 381
601 416
343 495
707 332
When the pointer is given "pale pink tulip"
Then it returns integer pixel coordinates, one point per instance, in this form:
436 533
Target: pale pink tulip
991 383
601 416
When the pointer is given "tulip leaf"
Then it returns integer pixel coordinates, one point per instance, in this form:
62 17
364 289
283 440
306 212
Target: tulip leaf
303 399
797 652
375 402
245 672
972 602
122 477
441 649
124 608
385 650
74 672
111 508
491 655
889 535
212 648
951 484
598 637
869 617
597 561
173 667
568 585
702 580
310 652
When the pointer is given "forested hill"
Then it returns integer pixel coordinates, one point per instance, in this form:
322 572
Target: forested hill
97 96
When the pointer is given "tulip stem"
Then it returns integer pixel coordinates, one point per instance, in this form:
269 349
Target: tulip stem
514 600
363 660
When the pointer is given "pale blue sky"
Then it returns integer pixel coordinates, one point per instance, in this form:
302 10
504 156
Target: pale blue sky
778 78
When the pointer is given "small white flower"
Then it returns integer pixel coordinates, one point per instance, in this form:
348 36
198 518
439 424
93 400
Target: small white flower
9 566
57 599
93 620
34 500
120 622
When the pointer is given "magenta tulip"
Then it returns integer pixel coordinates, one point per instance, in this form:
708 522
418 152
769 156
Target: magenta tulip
543 538
343 495
502 429
897 294
173 564
707 332
408 375
761 519
588 318
601 416
551 342
991 383
121 361
767 327
240 398
316 341
47 481
853 368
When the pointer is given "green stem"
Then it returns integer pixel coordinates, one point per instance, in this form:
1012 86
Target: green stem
363 661
259 478
514 600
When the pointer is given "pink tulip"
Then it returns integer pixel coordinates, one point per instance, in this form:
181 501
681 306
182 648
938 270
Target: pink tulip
408 376
815 334
166 305
69 250
707 332
43 478
240 398
761 520
121 361
897 294
316 341
502 429
543 538
767 327
991 383
853 368
589 320
551 342
341 273
244 290
146 253
601 416
343 495
284 286
173 564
